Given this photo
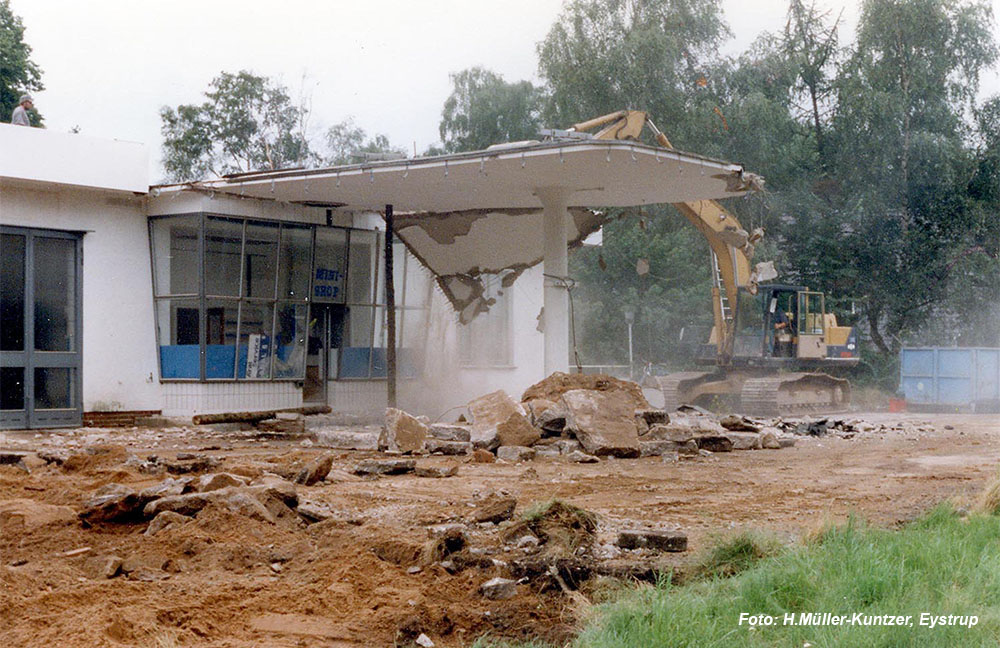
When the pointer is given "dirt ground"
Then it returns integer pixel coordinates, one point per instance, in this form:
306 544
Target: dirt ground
356 578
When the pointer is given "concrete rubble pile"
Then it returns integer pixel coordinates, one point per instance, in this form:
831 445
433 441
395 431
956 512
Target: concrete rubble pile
580 418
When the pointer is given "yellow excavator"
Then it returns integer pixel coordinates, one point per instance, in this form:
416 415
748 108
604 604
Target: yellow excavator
770 342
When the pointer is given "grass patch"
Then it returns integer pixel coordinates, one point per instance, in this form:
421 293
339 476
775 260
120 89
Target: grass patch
941 564
730 556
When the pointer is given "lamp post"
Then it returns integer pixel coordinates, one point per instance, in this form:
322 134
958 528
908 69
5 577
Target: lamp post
630 319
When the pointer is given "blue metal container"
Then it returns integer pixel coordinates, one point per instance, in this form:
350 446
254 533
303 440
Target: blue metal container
952 377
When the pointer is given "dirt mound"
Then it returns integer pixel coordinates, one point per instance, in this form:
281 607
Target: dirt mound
559 383
561 528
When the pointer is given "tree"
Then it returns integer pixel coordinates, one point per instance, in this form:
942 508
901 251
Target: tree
483 109
18 73
247 123
346 139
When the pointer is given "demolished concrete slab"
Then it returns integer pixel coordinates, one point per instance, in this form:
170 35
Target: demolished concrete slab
497 419
603 421
402 432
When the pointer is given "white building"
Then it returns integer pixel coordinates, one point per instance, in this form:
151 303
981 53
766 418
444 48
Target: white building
266 291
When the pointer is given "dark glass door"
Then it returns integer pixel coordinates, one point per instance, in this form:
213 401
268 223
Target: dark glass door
40 324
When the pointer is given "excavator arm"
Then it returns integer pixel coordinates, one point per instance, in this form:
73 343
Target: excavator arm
732 246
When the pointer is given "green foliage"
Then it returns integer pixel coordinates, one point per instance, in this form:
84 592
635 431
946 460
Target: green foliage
730 556
346 139
483 109
248 122
18 73
852 568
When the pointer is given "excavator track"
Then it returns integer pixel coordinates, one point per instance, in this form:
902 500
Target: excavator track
677 386
795 393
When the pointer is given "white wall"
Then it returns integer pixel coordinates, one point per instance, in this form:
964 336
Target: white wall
119 348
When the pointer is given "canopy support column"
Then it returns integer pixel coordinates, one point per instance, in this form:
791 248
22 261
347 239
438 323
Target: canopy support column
555 267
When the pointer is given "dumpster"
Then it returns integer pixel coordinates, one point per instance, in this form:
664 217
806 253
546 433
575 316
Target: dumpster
951 378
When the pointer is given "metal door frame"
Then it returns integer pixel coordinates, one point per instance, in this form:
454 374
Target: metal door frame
29 358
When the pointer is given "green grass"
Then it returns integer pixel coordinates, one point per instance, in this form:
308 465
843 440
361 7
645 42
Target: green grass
941 564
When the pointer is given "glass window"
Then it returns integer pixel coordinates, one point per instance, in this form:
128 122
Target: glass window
294 262
329 271
175 254
356 355
178 329
54 388
256 320
11 388
362 267
223 247
260 260
290 336
485 341
221 317
12 293
55 294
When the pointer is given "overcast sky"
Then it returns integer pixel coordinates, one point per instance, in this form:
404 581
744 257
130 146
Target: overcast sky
109 65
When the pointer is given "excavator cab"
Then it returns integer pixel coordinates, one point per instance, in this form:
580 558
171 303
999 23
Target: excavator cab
794 324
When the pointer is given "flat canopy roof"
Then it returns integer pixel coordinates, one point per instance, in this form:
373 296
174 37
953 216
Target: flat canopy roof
593 173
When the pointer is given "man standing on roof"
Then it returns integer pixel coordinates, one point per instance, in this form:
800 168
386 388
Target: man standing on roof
20 115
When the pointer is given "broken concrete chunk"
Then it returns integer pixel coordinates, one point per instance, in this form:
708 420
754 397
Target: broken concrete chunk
784 442
385 467
515 454
495 509
163 520
672 431
402 432
714 443
653 416
652 539
496 414
188 504
744 440
567 446
548 450
449 432
242 503
582 457
427 470
657 448
536 408
447 447
603 422
346 440
499 589
769 439
11 458
282 425
312 511
190 464
737 423
424 641
113 503
483 456
272 487
315 471
169 486
557 384
215 481
102 567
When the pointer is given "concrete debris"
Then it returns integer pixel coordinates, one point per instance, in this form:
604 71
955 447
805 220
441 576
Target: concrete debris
582 457
424 641
736 423
435 471
652 539
449 432
745 440
283 423
446 531
215 481
546 450
515 454
102 567
29 514
536 408
438 446
557 384
658 448
315 471
719 443
312 511
402 432
11 458
113 503
164 520
568 446
603 421
385 467
495 509
769 439
483 456
188 463
673 431
498 420
346 440
499 589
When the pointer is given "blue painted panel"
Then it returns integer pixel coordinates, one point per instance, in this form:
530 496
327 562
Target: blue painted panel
955 363
917 362
219 360
180 361
954 391
988 374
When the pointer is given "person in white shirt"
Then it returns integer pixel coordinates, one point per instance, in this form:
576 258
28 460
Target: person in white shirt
20 115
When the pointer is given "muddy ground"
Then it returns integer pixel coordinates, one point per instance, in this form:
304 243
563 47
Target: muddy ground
358 578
